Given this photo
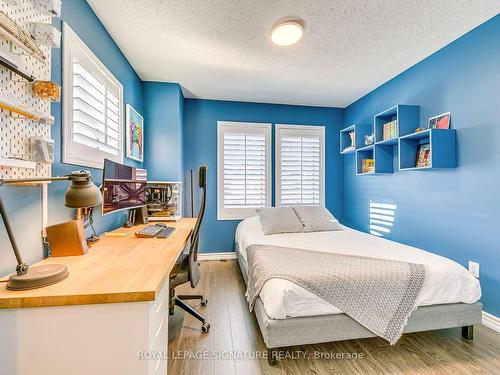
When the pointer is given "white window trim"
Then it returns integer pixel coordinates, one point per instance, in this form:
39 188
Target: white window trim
93 158
277 147
240 213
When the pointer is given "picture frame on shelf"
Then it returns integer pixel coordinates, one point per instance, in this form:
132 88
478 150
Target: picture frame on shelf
424 156
442 121
134 134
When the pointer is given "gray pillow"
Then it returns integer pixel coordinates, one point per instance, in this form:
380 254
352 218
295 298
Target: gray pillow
316 219
279 220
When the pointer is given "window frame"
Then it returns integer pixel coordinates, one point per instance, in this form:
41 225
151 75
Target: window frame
305 130
247 127
74 152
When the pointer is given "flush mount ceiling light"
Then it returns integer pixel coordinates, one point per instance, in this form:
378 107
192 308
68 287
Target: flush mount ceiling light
286 33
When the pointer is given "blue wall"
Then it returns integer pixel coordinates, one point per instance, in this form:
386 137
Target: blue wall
200 147
24 204
164 107
454 212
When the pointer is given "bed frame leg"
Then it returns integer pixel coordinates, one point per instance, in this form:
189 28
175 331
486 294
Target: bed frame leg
468 332
272 357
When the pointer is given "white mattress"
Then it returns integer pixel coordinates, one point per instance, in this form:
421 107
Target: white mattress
446 281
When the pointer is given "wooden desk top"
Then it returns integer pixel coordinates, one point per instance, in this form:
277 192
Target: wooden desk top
116 269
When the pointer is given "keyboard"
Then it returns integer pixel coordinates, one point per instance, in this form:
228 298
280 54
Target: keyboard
150 231
165 232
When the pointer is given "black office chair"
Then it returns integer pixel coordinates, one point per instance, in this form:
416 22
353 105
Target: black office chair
187 268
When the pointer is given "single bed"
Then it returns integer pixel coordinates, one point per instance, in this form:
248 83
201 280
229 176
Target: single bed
290 315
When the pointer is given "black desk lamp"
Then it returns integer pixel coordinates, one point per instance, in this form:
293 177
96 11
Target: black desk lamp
81 194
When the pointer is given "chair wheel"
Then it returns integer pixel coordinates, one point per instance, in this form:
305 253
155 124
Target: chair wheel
204 302
205 327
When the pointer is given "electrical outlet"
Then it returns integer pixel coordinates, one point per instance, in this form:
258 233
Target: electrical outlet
474 268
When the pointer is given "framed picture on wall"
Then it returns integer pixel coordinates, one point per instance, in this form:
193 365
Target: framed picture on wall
440 122
135 134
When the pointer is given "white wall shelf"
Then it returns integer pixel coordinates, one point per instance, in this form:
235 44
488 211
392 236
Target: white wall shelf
26 112
17 163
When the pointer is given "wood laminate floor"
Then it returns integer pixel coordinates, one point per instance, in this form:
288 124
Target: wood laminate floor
235 342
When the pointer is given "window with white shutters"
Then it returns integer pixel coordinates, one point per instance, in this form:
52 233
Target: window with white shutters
300 165
243 169
92 105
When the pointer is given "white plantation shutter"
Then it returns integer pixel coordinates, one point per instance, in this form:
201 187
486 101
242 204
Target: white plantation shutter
93 107
243 168
300 165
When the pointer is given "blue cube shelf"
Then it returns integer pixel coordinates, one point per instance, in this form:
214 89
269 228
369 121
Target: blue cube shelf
442 148
401 150
366 152
361 132
359 137
384 158
407 120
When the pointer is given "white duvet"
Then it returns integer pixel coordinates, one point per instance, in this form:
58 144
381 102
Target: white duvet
446 281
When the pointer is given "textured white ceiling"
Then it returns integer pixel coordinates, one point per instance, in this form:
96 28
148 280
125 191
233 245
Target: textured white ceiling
221 49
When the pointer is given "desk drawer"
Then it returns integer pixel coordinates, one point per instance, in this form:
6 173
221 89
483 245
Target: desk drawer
158 335
158 308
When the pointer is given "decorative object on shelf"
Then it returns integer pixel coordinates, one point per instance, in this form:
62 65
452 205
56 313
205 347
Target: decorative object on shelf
42 150
135 134
352 138
46 34
390 130
424 156
14 33
9 105
82 193
49 7
47 90
10 61
367 166
164 200
440 122
369 139
418 130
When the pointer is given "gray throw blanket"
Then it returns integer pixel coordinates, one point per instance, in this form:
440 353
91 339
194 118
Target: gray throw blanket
379 294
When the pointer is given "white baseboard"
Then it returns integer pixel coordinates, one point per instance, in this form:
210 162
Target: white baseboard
217 256
491 321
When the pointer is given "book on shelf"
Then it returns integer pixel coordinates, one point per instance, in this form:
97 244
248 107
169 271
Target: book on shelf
390 130
367 166
423 156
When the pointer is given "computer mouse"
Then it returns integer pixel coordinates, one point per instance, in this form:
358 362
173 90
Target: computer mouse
161 225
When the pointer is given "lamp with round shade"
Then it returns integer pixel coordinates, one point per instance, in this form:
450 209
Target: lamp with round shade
82 193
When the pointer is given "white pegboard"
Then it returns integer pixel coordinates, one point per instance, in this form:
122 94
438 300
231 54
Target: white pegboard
15 131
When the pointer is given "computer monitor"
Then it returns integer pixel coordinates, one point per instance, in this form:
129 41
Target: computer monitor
123 187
